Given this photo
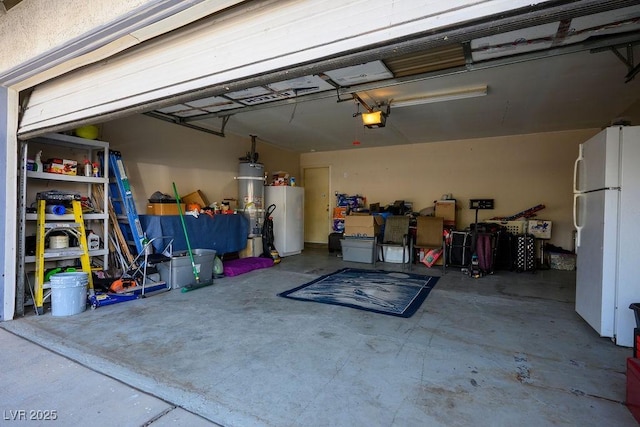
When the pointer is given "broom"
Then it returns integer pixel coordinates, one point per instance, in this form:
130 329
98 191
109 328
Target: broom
196 274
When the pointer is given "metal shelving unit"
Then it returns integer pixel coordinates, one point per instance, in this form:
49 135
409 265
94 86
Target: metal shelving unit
98 222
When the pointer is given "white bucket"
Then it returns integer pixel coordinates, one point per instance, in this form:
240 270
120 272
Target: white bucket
69 293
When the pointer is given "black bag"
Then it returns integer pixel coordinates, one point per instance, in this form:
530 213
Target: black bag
334 242
459 249
505 251
485 246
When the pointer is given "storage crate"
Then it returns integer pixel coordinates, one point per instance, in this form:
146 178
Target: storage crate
393 254
358 250
182 270
539 228
560 261
513 227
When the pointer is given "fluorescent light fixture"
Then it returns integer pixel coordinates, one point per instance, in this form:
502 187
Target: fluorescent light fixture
374 119
470 92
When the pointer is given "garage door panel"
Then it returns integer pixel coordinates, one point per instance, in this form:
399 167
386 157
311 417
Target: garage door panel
236 46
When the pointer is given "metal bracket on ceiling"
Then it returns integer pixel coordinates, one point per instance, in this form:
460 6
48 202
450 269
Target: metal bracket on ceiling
182 122
628 61
361 102
466 50
350 98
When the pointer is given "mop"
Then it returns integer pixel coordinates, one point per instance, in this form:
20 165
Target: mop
196 274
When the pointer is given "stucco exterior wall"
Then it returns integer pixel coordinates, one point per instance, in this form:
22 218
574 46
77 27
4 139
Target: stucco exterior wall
37 26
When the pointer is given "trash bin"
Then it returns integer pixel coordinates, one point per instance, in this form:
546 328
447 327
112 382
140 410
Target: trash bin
69 293
636 331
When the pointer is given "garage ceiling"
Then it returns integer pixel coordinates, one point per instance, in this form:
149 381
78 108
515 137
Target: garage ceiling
571 74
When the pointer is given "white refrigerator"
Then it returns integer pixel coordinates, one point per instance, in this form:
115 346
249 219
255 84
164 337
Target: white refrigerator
606 211
288 217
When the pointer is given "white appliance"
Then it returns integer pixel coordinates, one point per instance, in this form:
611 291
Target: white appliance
288 217
606 212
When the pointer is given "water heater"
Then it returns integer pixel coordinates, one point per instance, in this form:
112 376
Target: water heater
251 195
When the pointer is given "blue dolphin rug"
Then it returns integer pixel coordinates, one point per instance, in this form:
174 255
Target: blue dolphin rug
386 292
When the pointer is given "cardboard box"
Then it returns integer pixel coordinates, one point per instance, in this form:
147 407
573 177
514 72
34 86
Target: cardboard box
62 166
195 197
446 209
539 228
423 253
254 248
164 208
362 225
280 178
339 212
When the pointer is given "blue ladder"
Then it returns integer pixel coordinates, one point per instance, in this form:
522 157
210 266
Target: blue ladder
123 204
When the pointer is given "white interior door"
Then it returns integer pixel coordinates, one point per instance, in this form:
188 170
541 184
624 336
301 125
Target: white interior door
317 224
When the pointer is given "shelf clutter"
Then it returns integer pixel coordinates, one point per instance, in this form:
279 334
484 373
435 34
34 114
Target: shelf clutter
57 234
46 229
515 243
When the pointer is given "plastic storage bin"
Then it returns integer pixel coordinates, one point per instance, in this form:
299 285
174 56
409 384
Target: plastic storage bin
561 261
358 250
393 254
181 273
513 227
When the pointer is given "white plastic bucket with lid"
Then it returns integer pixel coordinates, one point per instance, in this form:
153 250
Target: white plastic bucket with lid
69 293
59 242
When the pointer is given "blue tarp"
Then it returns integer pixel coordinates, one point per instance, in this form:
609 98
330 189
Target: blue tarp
223 233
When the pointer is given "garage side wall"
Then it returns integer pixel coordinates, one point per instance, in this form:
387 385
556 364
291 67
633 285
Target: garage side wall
157 153
518 171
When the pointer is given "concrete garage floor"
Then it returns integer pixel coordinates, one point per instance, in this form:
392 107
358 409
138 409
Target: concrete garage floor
502 350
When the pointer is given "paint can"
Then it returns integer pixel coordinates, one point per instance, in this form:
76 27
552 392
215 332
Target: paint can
59 242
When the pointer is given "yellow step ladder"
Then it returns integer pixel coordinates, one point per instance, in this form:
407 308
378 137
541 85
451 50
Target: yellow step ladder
44 228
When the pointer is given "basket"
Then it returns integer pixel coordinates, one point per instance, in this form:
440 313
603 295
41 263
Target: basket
560 261
513 227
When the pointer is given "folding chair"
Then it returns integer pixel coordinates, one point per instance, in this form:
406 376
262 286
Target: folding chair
429 236
396 234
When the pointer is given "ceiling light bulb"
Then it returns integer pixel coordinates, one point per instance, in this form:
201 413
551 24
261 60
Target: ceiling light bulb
373 118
